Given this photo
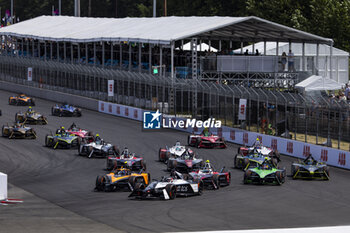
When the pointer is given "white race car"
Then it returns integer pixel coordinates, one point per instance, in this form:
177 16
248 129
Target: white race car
173 152
98 148
168 188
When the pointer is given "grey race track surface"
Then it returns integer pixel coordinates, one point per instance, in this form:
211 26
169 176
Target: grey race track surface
66 179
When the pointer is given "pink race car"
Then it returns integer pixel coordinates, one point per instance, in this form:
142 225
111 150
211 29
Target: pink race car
206 141
83 134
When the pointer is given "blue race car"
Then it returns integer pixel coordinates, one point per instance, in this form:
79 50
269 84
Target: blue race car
65 110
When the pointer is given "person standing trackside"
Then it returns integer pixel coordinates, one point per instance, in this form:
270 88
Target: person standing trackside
291 61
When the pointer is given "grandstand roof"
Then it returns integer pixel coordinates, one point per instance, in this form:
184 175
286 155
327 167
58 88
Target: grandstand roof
161 30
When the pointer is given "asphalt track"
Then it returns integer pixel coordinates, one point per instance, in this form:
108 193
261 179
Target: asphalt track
67 180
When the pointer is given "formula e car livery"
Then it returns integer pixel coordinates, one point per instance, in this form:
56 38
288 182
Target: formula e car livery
206 140
185 163
65 110
128 160
62 140
264 173
121 179
18 131
21 99
86 136
210 177
251 156
310 169
30 117
173 152
98 148
168 188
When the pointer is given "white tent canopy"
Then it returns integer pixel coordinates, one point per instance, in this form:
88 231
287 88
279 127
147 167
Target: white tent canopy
318 83
310 49
202 47
162 30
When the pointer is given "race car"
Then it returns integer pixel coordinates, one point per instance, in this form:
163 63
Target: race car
30 117
206 140
65 110
21 99
121 179
18 131
264 173
86 136
97 148
251 156
173 152
168 188
185 163
210 177
62 139
126 159
310 168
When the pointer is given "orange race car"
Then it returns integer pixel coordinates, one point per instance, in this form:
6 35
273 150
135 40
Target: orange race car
21 99
121 178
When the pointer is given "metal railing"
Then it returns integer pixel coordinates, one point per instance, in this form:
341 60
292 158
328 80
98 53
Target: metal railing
316 119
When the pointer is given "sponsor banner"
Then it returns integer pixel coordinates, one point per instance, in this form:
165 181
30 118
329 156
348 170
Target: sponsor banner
30 74
334 157
110 87
3 186
242 109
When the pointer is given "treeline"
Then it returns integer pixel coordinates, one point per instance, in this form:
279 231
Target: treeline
327 18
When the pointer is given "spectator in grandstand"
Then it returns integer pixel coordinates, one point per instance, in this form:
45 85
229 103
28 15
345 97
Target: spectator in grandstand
257 52
284 61
346 92
291 61
246 53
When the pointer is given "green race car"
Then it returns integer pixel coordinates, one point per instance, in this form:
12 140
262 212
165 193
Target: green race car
62 140
264 173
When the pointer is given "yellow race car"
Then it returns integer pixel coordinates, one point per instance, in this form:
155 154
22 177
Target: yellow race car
121 179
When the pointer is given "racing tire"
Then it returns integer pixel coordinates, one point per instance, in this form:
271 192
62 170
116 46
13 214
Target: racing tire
159 157
200 188
48 141
171 190
139 186
189 140
246 177
116 151
274 161
279 178
89 149
148 178
216 181
143 165
100 183
5 134
133 180
245 163
53 111
235 161
169 166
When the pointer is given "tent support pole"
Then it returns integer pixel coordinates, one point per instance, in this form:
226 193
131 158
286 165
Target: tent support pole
111 53
120 54
65 52
264 47
330 61
140 60
71 53
94 53
241 47
79 52
317 58
86 54
172 64
130 60
160 60
150 58
39 49
303 56
103 54
58 51
51 50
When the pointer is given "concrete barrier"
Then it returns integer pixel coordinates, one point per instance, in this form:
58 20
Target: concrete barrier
3 186
55 96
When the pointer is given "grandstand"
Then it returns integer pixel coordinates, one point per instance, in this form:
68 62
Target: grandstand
80 55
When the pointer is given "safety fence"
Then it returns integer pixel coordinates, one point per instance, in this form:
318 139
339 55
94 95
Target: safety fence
316 119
